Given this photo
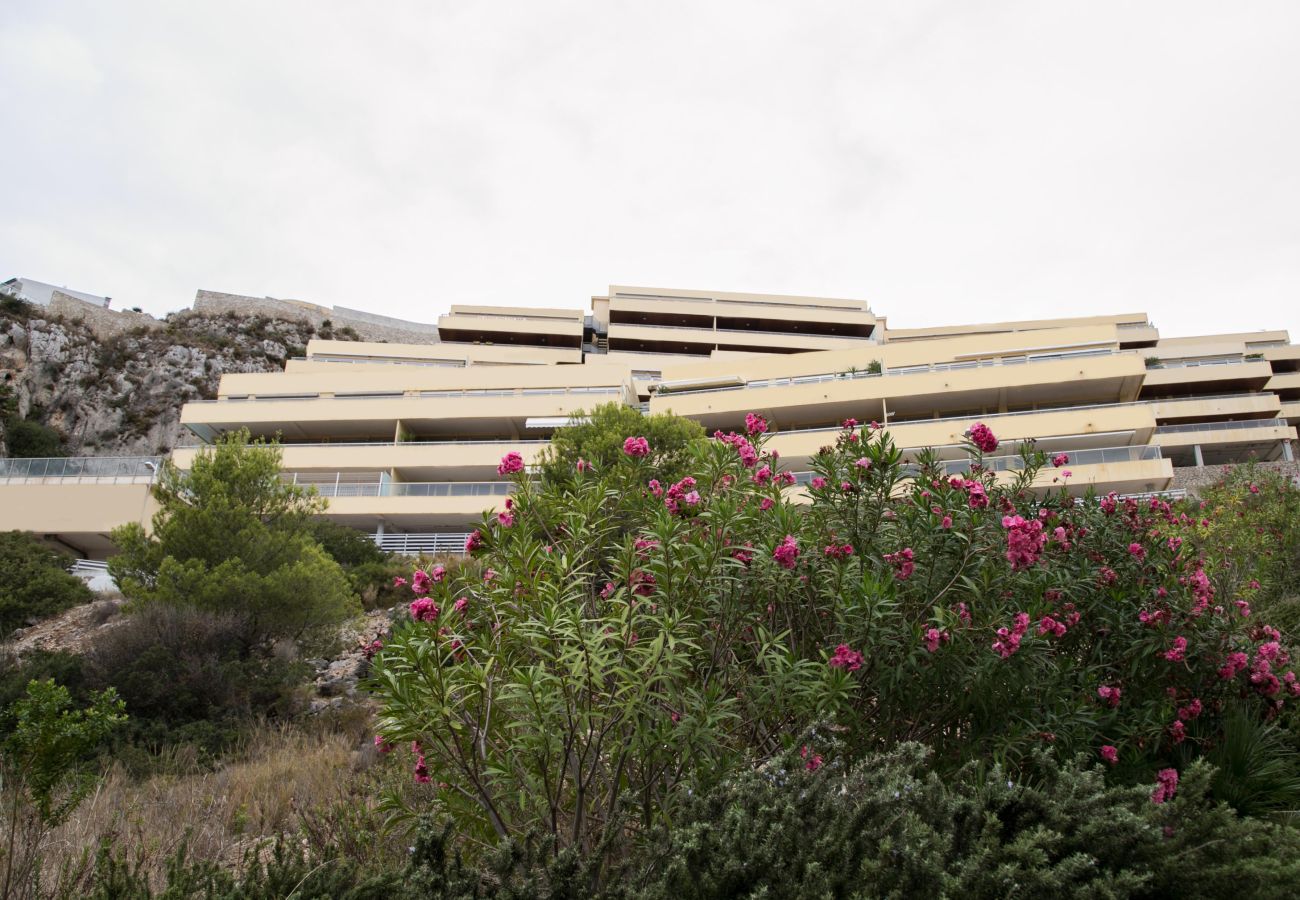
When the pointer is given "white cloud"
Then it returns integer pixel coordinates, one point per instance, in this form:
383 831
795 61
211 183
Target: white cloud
947 161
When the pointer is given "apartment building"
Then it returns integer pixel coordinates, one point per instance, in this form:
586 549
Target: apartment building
404 439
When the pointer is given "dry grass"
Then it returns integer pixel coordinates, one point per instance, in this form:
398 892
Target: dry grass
313 788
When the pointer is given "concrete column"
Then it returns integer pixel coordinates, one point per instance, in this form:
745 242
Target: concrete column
1200 460
1287 453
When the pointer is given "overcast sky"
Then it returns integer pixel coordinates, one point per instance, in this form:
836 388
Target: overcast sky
954 161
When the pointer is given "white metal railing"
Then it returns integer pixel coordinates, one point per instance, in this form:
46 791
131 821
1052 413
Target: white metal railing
759 303
1012 463
385 488
1194 363
111 469
89 569
414 544
1222 426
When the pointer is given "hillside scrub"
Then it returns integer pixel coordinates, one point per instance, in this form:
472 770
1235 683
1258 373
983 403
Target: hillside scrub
632 642
34 581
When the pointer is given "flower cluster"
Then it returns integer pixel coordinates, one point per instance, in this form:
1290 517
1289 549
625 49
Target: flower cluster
845 657
982 437
902 563
786 553
1008 641
1166 785
1025 540
511 463
636 447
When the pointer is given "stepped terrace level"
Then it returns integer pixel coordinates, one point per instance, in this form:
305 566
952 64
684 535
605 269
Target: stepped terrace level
701 323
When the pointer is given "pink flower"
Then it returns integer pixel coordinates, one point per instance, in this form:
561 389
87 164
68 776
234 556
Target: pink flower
814 760
754 424
1048 625
437 573
1178 731
1008 641
474 541
399 581
1025 540
460 604
786 553
850 423
765 504
838 551
583 465
655 487
506 518
382 745
863 463
636 447
934 637
902 563
1166 785
420 582
424 610
978 498
1178 652
818 482
1191 710
421 770
1109 694
845 658
1137 551
511 463
607 590
946 523
1060 459
1254 488
1066 473
762 476
692 499
982 437
1235 662
1109 753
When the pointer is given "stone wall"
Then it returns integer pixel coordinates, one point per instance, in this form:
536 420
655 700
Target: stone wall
102 322
1193 478
368 326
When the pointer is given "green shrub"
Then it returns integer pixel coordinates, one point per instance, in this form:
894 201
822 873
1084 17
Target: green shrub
599 442
34 581
230 536
30 439
190 676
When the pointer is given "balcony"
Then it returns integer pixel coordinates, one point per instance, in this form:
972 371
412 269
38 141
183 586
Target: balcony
365 500
372 415
1068 427
1072 378
1213 443
1187 378
1212 407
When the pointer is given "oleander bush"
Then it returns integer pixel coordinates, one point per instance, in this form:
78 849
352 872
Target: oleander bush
631 642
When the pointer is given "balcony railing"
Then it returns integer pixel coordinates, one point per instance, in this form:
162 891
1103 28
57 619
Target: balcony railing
415 544
421 395
1092 457
1223 426
340 488
1194 363
102 469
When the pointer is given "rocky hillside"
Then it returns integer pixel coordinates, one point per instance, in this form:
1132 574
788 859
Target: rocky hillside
122 396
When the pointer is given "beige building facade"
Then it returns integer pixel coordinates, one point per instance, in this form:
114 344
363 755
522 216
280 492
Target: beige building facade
404 439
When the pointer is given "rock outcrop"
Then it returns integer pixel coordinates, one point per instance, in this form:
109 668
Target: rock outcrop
122 395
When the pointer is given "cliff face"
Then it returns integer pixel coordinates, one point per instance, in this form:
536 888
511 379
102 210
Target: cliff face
122 395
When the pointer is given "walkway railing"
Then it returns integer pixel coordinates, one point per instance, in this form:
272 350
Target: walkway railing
105 469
